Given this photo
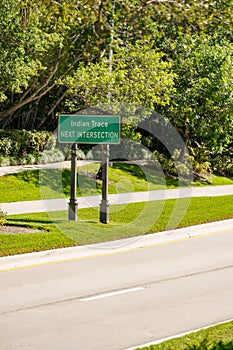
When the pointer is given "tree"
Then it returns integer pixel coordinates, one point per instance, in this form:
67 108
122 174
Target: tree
140 75
43 42
201 108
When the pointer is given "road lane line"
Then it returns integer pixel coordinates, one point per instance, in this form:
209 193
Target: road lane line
111 294
159 341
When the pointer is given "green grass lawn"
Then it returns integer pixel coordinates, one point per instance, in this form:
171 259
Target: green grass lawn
125 221
55 183
219 337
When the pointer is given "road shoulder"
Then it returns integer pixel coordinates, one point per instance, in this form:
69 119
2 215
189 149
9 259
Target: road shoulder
113 247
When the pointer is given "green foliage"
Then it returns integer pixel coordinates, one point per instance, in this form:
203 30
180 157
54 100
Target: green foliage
24 43
172 166
22 142
140 75
51 156
2 217
200 158
214 338
223 164
206 345
202 106
28 147
171 56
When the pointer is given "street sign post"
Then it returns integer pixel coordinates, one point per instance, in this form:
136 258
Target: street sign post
104 206
89 129
73 203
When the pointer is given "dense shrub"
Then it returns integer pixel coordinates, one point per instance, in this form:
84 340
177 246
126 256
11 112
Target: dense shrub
2 217
51 156
172 166
27 147
32 147
18 143
223 165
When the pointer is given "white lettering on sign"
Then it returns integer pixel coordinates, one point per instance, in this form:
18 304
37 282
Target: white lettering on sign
67 133
99 124
89 129
98 134
79 123
79 134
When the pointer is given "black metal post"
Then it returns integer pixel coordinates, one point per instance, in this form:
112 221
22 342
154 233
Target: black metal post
104 206
73 203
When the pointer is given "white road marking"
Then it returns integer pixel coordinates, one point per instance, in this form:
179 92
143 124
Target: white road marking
111 294
159 341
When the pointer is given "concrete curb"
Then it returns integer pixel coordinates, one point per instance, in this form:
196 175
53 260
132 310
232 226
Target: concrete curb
112 247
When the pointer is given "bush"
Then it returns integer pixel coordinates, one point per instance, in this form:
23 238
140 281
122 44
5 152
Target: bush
5 146
27 147
18 143
223 165
171 166
53 156
200 157
2 217
5 161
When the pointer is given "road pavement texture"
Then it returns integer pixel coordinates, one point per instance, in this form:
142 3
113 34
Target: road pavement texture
121 294
119 299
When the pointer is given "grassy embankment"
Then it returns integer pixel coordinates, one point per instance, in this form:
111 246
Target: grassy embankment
125 220
28 185
219 337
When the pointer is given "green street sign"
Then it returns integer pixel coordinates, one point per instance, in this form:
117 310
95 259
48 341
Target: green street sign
96 129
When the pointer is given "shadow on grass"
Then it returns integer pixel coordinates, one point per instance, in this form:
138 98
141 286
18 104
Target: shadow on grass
24 221
132 169
73 223
61 182
171 182
30 176
147 173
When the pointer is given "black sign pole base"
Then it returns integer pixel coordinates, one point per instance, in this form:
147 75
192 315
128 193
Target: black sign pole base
73 203
73 210
104 212
104 206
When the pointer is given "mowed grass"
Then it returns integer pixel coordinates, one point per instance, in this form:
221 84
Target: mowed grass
219 337
55 183
125 221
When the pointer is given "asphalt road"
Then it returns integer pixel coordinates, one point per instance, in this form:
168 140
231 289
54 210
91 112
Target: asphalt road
119 300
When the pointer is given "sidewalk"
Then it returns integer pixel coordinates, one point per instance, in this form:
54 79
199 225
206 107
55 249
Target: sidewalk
123 198
7 170
37 206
